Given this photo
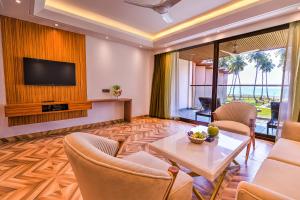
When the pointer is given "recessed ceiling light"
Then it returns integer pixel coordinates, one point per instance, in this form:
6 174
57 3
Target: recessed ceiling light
18 1
106 37
141 46
56 25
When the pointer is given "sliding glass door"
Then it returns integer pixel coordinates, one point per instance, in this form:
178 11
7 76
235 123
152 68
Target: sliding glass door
244 68
250 69
195 83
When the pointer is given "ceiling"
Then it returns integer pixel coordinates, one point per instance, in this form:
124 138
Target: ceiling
143 18
142 27
262 42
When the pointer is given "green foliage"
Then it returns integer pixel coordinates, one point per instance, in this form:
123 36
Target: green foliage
116 87
236 64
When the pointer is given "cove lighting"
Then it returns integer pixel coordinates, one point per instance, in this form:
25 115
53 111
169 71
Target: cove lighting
60 6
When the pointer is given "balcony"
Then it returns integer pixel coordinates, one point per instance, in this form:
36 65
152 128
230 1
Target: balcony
262 100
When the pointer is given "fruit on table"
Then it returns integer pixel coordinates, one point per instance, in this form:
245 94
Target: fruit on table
198 135
212 130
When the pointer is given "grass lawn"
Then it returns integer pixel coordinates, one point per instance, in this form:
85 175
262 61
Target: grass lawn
263 110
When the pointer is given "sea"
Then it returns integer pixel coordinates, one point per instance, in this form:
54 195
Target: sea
274 91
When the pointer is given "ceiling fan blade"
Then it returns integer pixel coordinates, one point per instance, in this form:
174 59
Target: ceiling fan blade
168 3
167 18
227 52
140 4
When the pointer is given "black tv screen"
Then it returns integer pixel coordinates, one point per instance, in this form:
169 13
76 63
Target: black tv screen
47 72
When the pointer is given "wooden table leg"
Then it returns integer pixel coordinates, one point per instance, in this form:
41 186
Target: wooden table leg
217 185
127 111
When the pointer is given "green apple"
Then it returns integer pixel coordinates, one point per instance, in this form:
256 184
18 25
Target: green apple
212 130
198 135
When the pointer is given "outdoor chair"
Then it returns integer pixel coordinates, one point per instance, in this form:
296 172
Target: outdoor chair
102 176
205 107
237 117
273 122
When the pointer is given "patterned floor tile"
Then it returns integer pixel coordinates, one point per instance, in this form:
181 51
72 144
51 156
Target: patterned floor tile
39 169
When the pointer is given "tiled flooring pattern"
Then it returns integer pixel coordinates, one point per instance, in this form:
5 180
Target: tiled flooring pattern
39 169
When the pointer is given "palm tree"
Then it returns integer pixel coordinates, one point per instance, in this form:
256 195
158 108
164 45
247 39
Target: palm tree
258 58
224 63
236 65
281 54
267 67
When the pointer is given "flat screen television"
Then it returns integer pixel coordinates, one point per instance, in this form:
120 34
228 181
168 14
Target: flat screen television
47 72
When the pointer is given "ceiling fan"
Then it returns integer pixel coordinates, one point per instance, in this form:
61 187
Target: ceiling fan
162 8
235 53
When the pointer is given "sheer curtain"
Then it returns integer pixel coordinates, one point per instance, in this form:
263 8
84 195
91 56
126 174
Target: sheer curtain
290 99
175 85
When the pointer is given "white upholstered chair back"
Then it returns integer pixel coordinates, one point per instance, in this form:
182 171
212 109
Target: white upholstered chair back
101 176
236 111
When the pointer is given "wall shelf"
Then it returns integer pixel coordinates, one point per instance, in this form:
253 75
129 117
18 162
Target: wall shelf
127 106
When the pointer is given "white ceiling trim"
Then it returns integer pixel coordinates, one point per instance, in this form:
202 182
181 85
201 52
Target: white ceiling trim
46 8
258 18
41 9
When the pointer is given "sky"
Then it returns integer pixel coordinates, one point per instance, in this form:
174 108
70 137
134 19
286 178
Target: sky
248 75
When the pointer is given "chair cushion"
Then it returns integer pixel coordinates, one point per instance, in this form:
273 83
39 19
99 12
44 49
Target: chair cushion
291 130
182 188
232 126
280 177
286 151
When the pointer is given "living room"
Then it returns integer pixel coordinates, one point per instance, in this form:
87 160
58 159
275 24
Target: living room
172 99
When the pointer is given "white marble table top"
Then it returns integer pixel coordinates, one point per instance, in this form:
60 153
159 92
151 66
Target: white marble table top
208 159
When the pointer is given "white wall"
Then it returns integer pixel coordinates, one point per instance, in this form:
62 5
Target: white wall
108 63
183 76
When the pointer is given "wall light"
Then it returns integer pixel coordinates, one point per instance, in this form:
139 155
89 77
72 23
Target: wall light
56 25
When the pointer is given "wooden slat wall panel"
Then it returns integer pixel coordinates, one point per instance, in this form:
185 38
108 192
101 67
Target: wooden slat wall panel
24 39
266 41
15 121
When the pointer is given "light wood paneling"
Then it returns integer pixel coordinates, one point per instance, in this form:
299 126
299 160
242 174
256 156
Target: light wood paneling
263 42
18 110
24 39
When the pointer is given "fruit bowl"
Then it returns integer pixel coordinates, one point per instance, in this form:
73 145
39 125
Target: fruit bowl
197 137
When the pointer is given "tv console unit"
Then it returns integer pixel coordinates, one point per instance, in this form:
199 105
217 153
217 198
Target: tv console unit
26 109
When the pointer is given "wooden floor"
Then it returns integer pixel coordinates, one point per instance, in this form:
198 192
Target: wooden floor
39 169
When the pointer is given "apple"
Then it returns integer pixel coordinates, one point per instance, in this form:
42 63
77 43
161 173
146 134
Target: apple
212 130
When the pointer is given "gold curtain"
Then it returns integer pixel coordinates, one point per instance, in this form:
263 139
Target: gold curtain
295 61
160 105
290 98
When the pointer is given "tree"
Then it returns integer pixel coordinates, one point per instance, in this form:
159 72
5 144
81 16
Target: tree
224 63
281 54
258 58
266 68
263 63
236 65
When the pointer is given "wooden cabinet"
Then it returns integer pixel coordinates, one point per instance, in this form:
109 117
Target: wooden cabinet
16 110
